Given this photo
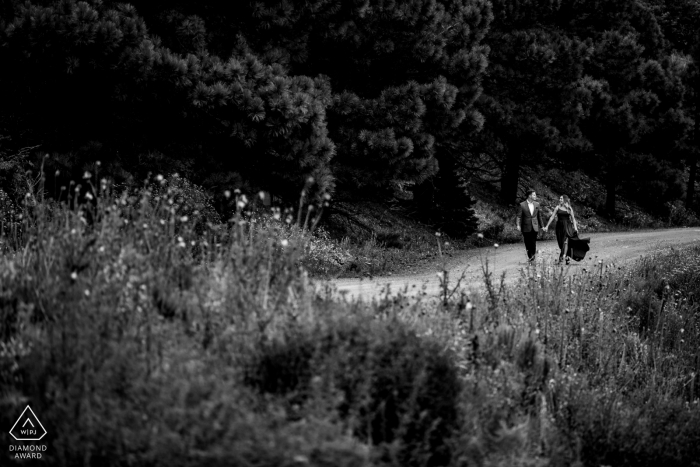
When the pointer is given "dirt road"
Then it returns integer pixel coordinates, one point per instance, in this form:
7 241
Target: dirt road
618 248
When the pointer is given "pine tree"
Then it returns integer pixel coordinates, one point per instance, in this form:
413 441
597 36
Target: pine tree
633 91
404 75
84 73
530 101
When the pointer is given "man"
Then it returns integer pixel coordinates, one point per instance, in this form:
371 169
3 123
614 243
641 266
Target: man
529 222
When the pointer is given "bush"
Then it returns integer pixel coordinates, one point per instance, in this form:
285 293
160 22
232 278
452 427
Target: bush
397 390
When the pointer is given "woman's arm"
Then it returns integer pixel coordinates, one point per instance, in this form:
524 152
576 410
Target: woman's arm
574 219
554 213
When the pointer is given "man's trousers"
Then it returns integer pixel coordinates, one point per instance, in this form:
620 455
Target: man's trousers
530 243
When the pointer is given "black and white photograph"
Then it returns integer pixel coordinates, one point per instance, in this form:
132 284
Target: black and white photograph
350 233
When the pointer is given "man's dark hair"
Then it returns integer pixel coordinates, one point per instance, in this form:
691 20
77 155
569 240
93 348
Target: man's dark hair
529 192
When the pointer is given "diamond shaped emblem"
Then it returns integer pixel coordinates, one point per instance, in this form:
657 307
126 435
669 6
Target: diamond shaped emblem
28 427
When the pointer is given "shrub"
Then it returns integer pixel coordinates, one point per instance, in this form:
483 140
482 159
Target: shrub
398 390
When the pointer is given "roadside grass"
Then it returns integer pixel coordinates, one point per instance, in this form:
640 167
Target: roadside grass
141 335
375 240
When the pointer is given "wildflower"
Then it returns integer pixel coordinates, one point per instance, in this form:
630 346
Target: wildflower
284 242
193 243
480 235
159 177
58 172
87 175
98 163
74 276
88 196
101 249
87 293
72 231
438 234
237 191
227 194
261 195
447 243
145 226
310 180
469 306
327 196
495 245
184 219
440 275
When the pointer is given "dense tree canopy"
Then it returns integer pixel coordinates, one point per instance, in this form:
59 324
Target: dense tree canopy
367 96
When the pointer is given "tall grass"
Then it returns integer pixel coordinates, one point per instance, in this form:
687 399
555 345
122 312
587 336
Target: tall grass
142 330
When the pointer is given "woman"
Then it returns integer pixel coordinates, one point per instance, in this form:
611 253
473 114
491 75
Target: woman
566 228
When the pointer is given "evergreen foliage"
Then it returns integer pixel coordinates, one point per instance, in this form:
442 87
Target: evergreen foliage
86 73
367 97
531 102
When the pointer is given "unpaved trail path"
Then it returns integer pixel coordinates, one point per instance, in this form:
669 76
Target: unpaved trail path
616 247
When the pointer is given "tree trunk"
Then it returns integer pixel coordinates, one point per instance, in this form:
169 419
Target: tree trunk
510 177
692 175
610 187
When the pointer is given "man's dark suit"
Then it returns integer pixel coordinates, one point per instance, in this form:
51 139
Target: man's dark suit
530 224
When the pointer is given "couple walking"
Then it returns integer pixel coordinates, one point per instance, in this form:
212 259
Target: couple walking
529 222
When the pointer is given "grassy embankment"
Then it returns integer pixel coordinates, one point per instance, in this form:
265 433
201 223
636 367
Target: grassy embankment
149 337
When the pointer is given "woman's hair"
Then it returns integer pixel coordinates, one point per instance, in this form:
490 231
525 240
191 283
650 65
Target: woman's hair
567 202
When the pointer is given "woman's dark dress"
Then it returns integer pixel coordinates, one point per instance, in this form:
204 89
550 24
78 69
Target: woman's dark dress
577 247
